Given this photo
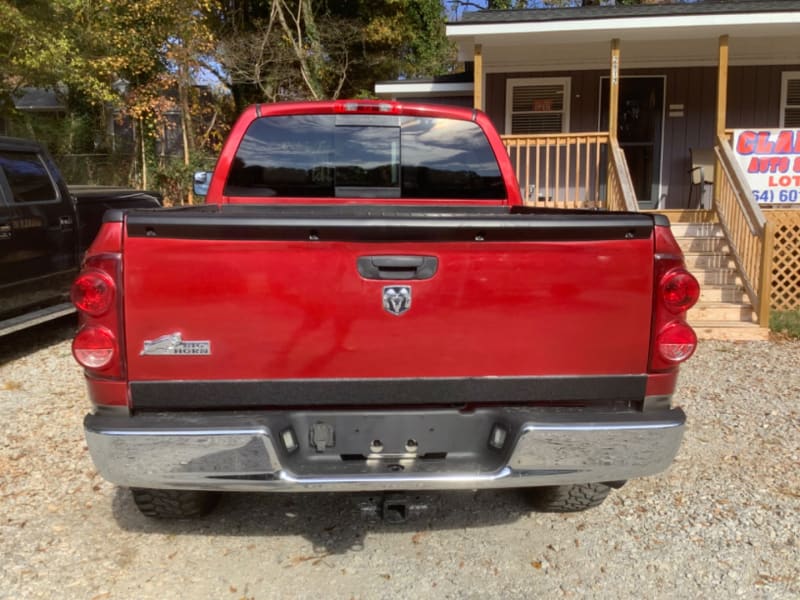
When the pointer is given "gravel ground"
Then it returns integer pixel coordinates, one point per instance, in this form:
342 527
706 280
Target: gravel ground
724 521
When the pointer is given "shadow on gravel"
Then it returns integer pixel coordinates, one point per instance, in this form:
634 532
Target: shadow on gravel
333 523
28 341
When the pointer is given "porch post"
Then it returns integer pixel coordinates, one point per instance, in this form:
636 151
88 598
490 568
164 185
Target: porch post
478 77
722 85
613 96
722 105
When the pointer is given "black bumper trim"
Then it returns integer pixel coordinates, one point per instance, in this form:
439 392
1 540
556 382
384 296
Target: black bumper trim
188 395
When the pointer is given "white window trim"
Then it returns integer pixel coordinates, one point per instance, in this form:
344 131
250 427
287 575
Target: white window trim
785 77
512 83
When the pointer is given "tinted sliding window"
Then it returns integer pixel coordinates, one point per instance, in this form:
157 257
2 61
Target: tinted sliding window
367 161
284 156
27 177
406 157
445 158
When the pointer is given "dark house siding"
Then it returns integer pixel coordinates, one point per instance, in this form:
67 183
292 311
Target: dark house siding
463 101
754 95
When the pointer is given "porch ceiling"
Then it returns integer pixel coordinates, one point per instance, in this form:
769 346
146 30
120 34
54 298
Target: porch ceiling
755 38
542 52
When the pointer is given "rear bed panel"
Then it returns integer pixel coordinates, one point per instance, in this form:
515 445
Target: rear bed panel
288 309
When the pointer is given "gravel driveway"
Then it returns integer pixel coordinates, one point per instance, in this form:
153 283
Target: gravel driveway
723 521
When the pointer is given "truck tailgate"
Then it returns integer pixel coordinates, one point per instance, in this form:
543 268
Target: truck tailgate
282 294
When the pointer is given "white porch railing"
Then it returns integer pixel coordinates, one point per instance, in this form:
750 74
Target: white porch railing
571 170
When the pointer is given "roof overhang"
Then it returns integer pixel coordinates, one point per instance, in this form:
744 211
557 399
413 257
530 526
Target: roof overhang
400 89
760 36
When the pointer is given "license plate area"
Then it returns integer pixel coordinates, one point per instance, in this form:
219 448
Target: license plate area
354 443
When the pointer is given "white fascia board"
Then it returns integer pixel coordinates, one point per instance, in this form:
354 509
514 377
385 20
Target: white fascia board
619 24
636 63
422 88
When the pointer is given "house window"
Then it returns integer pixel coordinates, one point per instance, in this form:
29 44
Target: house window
790 100
538 105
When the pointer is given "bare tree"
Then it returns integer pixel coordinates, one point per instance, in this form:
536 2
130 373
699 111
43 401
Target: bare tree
293 54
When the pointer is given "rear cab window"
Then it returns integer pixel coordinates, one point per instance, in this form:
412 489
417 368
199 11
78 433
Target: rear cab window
357 156
27 177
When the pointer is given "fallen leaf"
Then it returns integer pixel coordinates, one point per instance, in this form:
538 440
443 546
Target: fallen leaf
386 576
536 564
298 560
233 589
417 537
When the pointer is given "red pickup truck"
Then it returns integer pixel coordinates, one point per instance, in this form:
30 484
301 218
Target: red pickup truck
365 304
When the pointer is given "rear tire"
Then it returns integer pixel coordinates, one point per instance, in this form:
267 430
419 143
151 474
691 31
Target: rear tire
568 498
174 504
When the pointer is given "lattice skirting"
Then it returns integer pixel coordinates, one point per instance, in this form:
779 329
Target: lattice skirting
785 293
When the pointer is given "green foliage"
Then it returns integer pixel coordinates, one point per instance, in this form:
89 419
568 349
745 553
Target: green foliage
173 178
61 134
786 323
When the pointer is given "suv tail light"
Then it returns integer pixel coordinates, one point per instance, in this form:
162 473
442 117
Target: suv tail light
93 292
679 290
676 342
94 347
676 291
97 345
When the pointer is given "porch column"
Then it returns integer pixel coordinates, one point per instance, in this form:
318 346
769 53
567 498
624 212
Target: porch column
722 84
478 77
613 96
722 105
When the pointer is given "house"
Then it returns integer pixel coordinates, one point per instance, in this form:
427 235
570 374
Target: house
636 108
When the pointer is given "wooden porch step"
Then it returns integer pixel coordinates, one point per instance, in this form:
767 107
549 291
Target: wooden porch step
682 215
703 244
722 293
708 260
721 311
697 230
730 331
716 276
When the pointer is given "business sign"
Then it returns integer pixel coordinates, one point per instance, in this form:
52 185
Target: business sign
770 158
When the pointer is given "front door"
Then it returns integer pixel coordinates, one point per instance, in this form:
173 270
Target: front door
640 132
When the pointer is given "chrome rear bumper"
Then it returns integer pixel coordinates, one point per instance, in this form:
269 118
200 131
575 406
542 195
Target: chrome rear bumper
248 451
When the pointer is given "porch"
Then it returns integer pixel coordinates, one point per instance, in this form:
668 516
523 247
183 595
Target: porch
540 79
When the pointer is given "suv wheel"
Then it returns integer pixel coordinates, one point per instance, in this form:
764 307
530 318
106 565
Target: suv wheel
174 504
568 498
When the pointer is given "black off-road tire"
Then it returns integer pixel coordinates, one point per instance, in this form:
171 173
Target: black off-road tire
568 498
174 504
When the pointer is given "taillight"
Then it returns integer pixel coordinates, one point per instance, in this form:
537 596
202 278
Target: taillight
93 292
98 345
676 291
679 290
676 342
94 347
